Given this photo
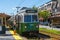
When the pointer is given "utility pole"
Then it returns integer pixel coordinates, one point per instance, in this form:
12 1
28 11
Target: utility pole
17 8
18 15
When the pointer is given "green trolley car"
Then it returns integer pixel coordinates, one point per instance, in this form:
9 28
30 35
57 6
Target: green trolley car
27 22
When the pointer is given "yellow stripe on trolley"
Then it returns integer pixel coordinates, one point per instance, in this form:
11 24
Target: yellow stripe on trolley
16 36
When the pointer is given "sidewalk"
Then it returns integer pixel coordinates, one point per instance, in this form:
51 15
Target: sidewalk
9 36
16 37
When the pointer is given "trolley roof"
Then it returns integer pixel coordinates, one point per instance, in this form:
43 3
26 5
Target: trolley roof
28 10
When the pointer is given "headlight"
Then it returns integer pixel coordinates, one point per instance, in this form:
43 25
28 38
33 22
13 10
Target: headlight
25 26
37 26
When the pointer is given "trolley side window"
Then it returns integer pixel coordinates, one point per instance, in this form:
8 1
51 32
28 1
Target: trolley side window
27 18
34 18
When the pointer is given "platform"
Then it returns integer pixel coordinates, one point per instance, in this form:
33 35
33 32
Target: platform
10 36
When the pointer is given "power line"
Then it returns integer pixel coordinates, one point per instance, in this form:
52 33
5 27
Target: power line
44 3
24 1
21 2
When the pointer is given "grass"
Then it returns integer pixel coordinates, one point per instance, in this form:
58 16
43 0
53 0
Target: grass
50 31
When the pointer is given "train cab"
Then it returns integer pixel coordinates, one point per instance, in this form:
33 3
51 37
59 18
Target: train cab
27 21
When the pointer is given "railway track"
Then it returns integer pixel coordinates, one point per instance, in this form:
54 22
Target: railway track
53 36
39 37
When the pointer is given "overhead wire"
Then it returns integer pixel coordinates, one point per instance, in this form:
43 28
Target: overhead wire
43 4
22 1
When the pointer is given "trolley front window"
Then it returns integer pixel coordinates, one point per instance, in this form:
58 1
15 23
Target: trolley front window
34 18
30 18
27 18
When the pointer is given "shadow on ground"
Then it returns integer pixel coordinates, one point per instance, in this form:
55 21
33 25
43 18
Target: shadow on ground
40 35
37 36
6 34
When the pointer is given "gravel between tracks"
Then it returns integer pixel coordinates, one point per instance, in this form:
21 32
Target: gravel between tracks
53 36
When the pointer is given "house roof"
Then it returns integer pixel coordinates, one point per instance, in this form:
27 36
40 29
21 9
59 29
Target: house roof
4 15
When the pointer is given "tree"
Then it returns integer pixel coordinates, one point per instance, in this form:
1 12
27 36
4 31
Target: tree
44 14
35 8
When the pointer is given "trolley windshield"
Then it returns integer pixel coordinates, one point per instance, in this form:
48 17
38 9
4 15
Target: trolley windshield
34 18
30 18
27 18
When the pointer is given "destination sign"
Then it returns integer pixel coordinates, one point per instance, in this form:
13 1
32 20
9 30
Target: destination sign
31 11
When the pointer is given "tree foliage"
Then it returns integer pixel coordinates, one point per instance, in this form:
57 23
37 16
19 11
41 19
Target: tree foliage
45 14
35 8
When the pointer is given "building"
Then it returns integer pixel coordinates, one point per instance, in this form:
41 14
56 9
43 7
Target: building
54 7
3 18
55 19
46 6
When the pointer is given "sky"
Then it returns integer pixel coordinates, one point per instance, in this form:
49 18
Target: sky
9 6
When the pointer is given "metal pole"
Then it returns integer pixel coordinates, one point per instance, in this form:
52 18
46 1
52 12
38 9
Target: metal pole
17 12
17 9
18 17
